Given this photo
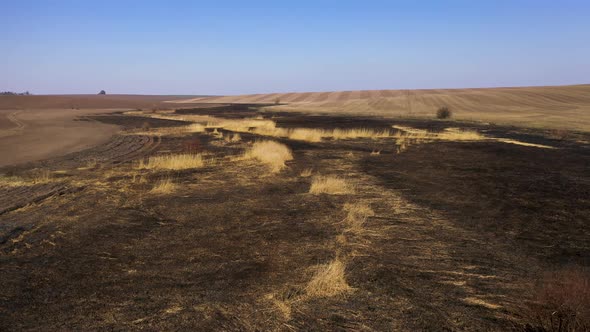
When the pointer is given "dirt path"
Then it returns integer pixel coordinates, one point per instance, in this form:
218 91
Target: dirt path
13 125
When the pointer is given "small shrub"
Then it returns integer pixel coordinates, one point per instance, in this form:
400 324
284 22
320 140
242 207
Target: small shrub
443 113
277 101
561 302
559 134
146 126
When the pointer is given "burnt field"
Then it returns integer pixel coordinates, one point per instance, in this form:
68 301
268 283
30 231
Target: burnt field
191 220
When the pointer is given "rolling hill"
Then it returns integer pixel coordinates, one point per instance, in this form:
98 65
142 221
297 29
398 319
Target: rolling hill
566 107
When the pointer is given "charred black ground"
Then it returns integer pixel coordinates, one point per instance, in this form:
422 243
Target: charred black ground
460 233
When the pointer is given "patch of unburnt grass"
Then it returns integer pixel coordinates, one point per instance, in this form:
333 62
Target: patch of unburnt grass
317 135
170 131
328 280
408 136
164 186
232 138
173 162
332 185
306 173
304 134
449 134
270 153
357 215
29 178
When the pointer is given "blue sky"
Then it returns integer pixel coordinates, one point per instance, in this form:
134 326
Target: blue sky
234 47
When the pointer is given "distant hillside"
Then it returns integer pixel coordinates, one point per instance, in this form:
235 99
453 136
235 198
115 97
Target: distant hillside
86 101
550 106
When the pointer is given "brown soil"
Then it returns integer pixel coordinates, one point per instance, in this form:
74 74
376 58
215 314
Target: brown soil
39 127
39 134
86 101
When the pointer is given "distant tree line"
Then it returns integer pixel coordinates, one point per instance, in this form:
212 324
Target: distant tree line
10 93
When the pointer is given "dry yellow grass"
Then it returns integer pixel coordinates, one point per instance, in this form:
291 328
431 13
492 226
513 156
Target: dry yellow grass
283 303
13 181
330 185
194 128
241 125
358 213
232 138
455 134
37 176
449 134
173 162
271 153
265 127
172 131
164 186
329 280
407 136
90 164
481 302
138 178
306 173
512 141
316 135
410 130
305 134
358 133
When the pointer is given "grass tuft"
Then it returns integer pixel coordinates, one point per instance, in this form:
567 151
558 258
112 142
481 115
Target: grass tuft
358 213
165 186
232 138
270 153
305 134
174 162
329 280
36 176
330 185
358 133
306 173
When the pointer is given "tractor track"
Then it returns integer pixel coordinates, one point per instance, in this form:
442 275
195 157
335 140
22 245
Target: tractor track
18 197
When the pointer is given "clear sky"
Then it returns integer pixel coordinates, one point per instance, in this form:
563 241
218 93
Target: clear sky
234 47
